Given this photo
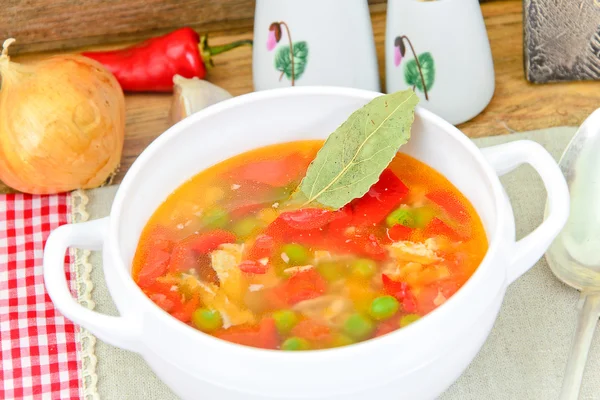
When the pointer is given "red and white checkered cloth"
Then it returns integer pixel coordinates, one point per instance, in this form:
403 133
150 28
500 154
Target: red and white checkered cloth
39 356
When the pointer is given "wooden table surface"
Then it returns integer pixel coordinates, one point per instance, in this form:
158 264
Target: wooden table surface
516 106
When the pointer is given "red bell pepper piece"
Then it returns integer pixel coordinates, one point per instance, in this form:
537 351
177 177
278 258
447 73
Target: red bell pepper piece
156 253
277 173
448 201
307 218
381 199
401 292
394 288
163 295
151 65
263 336
399 232
342 220
362 243
281 231
313 331
437 227
197 243
262 247
386 327
302 285
253 267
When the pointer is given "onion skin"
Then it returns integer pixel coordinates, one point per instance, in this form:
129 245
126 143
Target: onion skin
62 124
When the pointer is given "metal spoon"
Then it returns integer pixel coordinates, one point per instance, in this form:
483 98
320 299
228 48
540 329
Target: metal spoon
574 256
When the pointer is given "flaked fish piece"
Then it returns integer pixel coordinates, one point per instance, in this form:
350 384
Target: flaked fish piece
407 251
225 262
331 310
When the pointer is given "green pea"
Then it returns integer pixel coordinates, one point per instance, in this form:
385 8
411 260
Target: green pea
296 254
331 271
358 327
215 218
422 216
341 340
383 307
207 320
408 319
400 216
246 227
363 268
285 320
295 343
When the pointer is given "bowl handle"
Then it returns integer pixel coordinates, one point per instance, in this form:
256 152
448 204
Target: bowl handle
117 331
506 157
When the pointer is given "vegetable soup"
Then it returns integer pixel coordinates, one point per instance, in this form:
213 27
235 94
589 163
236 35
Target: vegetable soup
232 254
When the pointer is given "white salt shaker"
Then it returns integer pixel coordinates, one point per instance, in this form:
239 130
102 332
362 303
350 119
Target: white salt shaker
441 49
314 42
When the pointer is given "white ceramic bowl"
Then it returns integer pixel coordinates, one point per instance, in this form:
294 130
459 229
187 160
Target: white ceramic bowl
417 362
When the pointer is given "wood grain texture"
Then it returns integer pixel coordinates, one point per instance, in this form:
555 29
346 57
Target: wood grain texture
51 25
516 106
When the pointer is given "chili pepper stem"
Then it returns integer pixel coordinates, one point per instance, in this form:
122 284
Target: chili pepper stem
207 51
418 65
223 48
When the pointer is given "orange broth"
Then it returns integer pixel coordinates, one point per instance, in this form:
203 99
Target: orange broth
228 255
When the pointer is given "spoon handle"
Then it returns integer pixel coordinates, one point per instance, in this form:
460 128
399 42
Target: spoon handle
588 319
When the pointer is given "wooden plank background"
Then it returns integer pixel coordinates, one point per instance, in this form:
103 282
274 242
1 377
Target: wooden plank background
43 25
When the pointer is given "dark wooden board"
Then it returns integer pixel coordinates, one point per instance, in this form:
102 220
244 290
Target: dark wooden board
50 25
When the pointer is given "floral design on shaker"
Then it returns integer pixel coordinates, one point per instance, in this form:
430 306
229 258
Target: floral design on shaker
418 72
289 60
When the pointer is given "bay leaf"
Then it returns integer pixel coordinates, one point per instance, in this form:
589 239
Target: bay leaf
354 156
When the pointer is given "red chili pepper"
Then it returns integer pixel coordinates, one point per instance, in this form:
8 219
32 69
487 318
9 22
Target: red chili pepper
151 65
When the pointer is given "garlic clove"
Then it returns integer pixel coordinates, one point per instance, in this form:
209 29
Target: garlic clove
193 95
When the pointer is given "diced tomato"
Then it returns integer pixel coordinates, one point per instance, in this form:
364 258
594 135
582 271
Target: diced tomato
437 227
394 288
387 327
448 201
307 218
263 336
262 247
381 199
253 267
303 285
276 173
185 251
313 331
399 232
155 255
